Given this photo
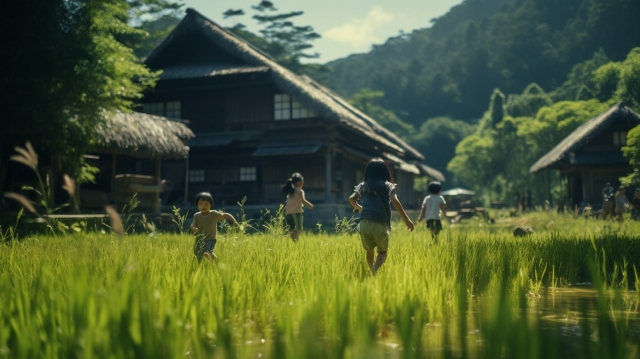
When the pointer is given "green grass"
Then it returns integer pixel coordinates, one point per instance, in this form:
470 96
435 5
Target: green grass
478 293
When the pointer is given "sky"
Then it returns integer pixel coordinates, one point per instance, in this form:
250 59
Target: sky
346 26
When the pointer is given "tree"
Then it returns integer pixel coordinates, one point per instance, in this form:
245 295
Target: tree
281 38
632 152
532 99
370 102
63 70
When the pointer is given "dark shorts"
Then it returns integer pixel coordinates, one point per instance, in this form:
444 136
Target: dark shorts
294 221
201 247
434 224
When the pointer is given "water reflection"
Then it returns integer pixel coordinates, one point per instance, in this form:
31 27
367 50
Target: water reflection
564 320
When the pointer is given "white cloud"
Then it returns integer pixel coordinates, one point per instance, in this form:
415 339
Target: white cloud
359 32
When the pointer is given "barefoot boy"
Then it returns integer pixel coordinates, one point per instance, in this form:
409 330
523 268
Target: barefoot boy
204 226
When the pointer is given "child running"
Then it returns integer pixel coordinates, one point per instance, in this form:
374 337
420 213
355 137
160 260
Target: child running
204 226
432 205
375 219
293 207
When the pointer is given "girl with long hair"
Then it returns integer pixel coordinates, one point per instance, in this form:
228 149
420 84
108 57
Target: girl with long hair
375 193
293 206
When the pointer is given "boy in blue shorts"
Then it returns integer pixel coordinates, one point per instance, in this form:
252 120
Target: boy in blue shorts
204 226
432 205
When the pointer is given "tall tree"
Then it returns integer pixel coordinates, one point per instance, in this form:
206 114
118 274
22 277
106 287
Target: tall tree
280 37
63 69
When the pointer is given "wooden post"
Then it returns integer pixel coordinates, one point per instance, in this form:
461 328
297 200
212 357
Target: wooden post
328 197
156 180
186 180
113 177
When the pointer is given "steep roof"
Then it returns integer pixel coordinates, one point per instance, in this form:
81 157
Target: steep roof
584 133
142 135
311 94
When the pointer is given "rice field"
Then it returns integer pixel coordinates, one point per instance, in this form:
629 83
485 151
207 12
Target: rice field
570 290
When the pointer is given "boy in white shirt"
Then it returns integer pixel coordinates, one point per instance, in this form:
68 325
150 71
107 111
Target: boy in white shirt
432 205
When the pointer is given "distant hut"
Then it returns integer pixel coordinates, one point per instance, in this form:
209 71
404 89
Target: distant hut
135 145
591 155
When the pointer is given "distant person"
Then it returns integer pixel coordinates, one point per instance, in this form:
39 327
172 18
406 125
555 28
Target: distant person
293 207
607 201
517 198
621 202
635 213
375 193
204 226
432 206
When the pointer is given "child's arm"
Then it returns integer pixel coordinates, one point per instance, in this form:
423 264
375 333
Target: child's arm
229 217
354 202
306 203
443 209
422 212
193 227
398 206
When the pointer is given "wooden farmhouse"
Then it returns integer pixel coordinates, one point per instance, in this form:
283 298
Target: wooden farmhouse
256 123
591 155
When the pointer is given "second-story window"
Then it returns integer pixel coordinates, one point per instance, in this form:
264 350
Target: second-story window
154 108
172 109
286 108
620 139
169 109
282 107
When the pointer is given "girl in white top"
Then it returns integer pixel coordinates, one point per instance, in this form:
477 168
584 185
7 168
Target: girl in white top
432 205
293 207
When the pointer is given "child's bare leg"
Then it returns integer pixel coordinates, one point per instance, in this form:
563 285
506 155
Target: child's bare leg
370 255
382 257
210 256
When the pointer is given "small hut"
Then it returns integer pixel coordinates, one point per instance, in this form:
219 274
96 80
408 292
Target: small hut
591 155
135 145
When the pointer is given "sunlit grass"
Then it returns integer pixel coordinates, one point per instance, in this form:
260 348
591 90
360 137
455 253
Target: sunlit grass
475 294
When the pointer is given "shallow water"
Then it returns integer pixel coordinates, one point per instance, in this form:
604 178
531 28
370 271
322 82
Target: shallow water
563 318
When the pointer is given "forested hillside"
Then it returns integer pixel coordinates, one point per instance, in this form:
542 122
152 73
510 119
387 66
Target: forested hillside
452 68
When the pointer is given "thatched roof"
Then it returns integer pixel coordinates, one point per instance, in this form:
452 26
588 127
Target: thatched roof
312 95
431 172
583 134
197 71
142 135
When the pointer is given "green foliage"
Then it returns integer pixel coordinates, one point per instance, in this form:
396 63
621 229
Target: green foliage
580 78
156 19
632 152
286 42
179 219
532 99
451 68
66 69
496 160
371 103
628 89
496 109
477 292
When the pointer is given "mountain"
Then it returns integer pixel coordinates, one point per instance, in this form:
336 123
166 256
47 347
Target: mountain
451 68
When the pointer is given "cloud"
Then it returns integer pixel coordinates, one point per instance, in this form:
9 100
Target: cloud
360 32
